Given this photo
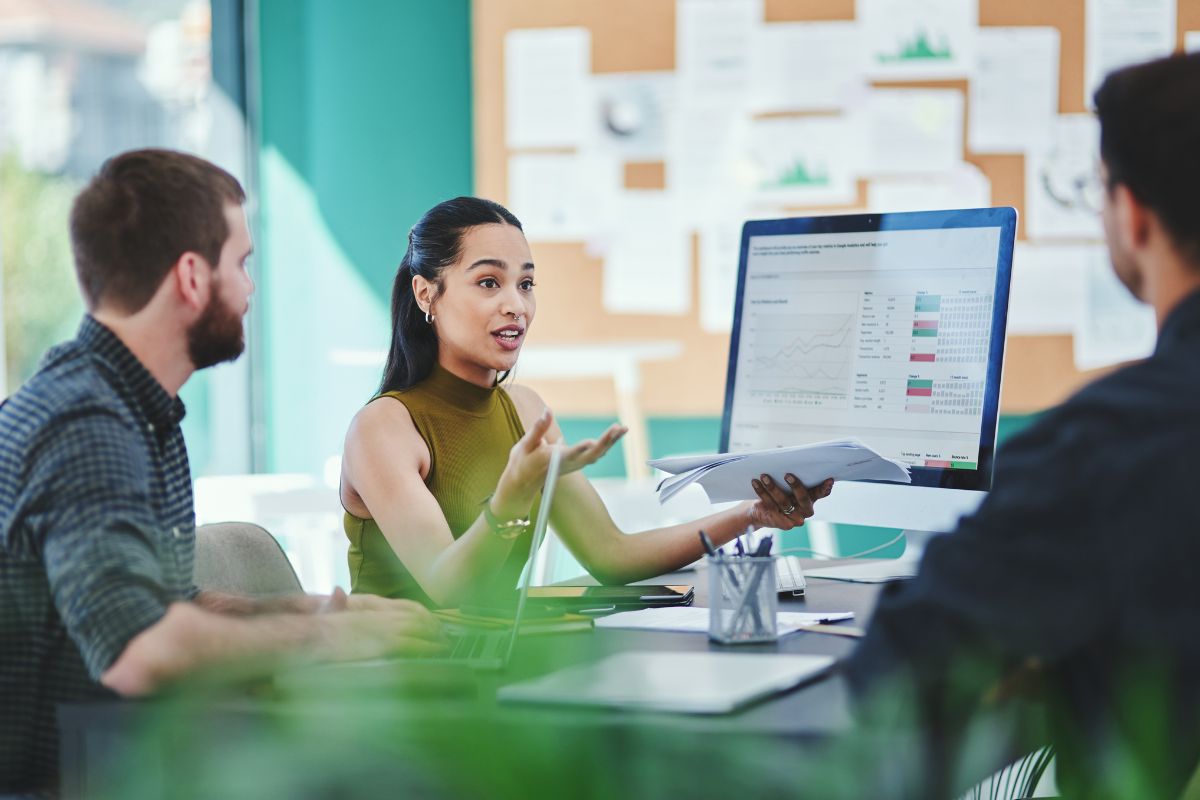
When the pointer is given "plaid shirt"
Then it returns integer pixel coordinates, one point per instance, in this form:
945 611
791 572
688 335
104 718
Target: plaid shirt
96 535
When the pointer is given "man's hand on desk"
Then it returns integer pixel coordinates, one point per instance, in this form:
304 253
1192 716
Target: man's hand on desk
784 507
404 626
371 627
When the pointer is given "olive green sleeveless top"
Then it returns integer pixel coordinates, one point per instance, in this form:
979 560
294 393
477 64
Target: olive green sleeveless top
469 431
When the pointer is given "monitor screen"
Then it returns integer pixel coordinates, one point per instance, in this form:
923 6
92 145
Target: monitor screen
884 327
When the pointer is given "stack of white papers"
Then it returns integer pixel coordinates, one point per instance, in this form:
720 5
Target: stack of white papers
692 619
726 476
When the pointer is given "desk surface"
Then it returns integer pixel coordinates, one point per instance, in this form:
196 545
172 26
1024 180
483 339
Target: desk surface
818 708
94 734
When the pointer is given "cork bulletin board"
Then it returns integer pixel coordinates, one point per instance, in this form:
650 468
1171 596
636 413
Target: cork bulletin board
639 35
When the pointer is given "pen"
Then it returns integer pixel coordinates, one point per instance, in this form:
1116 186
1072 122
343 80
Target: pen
708 545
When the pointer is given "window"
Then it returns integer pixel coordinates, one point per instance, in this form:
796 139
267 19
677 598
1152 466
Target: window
82 80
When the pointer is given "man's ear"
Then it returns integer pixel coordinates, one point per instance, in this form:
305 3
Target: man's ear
192 278
1132 218
424 292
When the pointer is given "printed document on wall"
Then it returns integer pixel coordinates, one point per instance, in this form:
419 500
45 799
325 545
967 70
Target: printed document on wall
631 114
914 130
1049 282
648 265
802 161
1116 327
1123 32
713 39
1014 94
1191 41
720 249
1062 185
806 66
561 196
963 187
916 39
546 86
703 148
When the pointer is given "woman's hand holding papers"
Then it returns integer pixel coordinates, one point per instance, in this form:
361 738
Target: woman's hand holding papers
784 507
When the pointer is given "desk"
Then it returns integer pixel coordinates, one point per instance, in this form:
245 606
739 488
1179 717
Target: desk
98 737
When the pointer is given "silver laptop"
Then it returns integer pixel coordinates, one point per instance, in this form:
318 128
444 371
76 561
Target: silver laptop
689 683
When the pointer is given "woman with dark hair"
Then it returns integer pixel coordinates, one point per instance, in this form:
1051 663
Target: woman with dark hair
442 468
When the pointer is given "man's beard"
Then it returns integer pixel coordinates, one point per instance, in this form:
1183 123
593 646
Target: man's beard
216 336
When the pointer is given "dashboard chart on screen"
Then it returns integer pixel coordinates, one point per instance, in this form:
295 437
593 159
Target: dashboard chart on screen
883 335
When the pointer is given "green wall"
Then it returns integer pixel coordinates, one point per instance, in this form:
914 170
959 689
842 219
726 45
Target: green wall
364 123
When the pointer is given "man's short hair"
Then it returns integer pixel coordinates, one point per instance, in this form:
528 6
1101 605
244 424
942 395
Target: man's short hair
139 215
1150 142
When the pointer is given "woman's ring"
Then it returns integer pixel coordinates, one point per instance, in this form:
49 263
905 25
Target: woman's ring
787 512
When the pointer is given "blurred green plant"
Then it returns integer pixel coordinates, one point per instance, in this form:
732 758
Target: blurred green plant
407 731
41 301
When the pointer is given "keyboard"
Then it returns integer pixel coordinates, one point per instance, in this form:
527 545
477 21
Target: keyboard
789 576
471 646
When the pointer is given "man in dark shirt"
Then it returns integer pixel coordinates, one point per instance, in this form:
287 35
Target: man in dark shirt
1082 563
96 516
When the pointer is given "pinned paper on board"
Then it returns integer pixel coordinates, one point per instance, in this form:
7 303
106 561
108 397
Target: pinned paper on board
1116 327
702 153
965 186
713 39
720 250
546 82
918 39
1063 194
806 66
914 131
648 267
1014 93
1047 292
561 196
801 161
632 113
1191 42
1124 32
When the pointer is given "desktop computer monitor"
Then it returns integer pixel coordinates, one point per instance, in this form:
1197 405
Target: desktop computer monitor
884 327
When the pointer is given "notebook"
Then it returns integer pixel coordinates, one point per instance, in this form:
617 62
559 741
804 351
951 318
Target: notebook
688 683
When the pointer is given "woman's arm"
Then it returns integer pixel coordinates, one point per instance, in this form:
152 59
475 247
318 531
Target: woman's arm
582 521
385 458
383 468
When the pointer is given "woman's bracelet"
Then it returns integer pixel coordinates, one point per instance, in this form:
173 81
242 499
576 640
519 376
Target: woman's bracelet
505 529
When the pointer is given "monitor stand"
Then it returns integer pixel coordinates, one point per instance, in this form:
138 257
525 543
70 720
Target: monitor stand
889 569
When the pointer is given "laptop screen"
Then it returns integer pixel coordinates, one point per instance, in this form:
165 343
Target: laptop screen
539 534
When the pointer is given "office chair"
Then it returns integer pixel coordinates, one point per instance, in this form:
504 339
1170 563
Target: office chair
242 558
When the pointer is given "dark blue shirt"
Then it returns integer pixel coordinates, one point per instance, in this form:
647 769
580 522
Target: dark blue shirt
96 535
1085 558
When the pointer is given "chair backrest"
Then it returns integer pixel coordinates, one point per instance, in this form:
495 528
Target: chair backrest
242 558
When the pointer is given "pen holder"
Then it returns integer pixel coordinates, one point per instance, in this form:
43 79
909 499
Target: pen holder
742 600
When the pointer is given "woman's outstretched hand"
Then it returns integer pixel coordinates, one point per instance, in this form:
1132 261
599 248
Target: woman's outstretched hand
529 459
784 507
